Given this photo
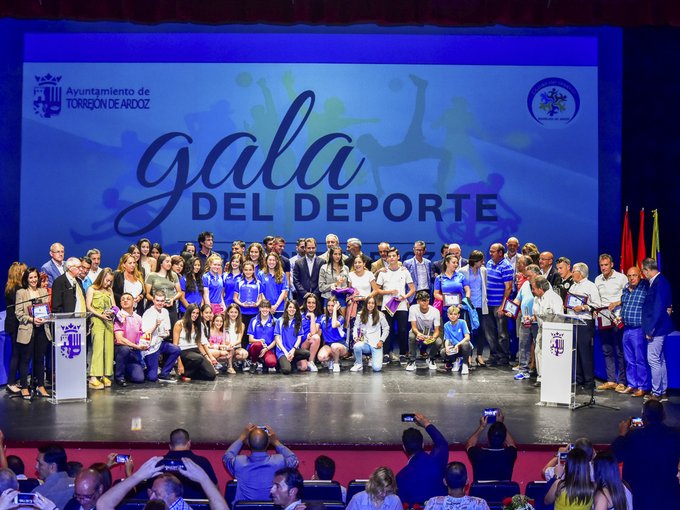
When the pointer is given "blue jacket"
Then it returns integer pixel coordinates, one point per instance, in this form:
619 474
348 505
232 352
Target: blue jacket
410 264
423 476
655 318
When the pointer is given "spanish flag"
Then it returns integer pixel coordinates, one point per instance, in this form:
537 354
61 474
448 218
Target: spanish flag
627 259
656 245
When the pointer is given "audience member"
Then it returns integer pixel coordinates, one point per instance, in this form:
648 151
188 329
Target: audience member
51 468
180 446
256 471
456 481
287 488
582 443
651 457
89 487
380 493
497 460
105 472
611 492
166 487
572 486
422 477
17 466
73 467
9 490
324 469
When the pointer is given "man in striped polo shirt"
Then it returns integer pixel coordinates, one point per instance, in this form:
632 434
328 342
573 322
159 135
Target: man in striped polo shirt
499 278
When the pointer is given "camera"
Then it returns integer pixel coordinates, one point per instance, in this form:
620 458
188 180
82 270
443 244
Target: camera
263 427
490 413
562 457
408 417
636 422
122 458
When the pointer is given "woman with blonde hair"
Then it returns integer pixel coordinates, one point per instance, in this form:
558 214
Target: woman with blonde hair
213 289
14 275
99 301
129 279
380 493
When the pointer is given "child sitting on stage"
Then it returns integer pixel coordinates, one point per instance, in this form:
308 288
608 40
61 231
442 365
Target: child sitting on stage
457 346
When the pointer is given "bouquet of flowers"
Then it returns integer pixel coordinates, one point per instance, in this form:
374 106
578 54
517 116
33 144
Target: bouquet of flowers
518 502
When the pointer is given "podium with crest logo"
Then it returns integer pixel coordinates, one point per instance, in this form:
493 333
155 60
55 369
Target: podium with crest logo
69 373
558 350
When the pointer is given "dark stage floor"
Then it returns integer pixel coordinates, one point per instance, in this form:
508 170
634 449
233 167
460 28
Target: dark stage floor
344 409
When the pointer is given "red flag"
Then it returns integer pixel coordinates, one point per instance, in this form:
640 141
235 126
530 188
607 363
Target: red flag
641 247
626 245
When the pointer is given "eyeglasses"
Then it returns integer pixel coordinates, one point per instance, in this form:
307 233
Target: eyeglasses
84 496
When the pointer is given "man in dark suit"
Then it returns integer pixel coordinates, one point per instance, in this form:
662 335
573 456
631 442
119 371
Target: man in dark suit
422 477
656 324
68 295
650 457
545 262
55 266
306 271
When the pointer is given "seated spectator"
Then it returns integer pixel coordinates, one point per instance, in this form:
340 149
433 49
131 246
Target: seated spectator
380 493
456 481
611 492
9 490
572 486
287 488
73 467
180 446
324 469
256 471
650 456
17 466
51 467
497 460
89 486
422 477
166 487
105 472
582 443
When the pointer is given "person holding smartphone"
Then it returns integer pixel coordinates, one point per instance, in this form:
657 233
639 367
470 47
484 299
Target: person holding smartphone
495 461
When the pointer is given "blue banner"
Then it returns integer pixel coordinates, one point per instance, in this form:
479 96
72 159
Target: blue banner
443 138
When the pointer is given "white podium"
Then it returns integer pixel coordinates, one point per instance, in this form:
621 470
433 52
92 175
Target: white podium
558 348
69 368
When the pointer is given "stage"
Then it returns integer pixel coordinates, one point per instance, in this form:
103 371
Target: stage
347 410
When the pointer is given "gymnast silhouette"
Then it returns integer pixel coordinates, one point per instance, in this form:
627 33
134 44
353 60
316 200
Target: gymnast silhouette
412 148
464 224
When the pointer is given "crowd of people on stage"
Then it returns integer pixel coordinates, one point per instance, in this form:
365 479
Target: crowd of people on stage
577 476
200 313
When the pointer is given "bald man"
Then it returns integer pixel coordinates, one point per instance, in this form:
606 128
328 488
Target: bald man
255 472
89 486
545 262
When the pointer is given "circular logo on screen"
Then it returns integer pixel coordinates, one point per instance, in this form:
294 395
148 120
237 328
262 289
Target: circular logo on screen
553 102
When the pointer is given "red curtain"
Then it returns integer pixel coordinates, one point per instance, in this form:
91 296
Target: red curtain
625 13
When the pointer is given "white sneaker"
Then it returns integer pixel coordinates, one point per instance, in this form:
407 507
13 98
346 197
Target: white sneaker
465 370
411 367
331 366
312 367
456 365
431 364
356 368
336 367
